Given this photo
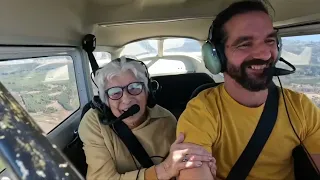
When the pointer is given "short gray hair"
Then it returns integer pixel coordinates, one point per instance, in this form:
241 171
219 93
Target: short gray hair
115 68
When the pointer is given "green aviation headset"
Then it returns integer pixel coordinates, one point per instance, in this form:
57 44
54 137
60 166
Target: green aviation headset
213 51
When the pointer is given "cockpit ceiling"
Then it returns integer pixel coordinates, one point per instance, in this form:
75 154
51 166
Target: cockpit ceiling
114 11
189 18
117 22
122 34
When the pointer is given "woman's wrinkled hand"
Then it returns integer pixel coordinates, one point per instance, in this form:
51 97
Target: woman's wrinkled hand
183 156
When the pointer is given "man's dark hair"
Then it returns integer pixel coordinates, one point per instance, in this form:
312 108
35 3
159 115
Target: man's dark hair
218 33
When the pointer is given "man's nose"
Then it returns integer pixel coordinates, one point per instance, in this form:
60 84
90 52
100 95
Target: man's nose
263 52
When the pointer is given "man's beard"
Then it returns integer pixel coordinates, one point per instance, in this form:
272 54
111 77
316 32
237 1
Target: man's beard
252 82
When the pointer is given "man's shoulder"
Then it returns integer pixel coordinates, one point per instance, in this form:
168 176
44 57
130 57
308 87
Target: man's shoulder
207 97
295 97
212 91
298 102
203 106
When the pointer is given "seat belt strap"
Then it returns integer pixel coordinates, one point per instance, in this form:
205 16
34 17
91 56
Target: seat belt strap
132 143
268 118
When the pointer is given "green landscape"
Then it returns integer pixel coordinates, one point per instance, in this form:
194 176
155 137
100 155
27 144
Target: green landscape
47 97
306 79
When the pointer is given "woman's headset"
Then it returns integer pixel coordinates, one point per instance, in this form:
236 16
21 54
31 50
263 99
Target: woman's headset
105 114
213 51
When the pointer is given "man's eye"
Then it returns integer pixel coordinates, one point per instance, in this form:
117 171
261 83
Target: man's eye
244 45
270 41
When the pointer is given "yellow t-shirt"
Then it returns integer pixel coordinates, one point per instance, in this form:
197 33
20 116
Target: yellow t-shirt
224 127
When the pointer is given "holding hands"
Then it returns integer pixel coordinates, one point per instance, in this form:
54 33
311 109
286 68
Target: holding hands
184 156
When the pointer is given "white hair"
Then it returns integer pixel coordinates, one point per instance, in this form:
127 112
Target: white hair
115 68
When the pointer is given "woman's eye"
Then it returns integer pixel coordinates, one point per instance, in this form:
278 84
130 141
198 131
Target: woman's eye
115 93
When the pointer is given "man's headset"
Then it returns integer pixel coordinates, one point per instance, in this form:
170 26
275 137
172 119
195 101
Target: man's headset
215 59
105 114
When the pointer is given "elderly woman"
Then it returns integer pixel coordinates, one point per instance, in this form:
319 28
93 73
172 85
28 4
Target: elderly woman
121 84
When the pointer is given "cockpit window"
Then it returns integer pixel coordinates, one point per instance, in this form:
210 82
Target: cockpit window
141 49
182 46
165 56
304 53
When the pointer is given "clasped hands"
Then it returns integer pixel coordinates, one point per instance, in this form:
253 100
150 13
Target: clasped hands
184 156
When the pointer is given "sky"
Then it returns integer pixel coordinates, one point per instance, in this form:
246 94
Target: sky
309 38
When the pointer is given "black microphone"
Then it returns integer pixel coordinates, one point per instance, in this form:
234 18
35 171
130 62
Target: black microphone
130 112
281 72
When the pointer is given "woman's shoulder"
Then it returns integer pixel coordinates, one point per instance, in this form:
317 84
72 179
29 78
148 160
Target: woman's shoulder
91 116
91 122
91 130
159 112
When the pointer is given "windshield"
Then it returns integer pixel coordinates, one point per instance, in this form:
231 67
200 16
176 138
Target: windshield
171 46
182 46
141 49
167 55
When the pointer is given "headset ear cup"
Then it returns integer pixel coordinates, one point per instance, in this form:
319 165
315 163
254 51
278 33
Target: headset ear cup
151 102
108 113
211 59
105 114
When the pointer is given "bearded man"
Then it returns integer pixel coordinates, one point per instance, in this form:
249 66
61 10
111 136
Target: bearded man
223 119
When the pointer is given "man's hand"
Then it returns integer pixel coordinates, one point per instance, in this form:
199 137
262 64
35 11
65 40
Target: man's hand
183 156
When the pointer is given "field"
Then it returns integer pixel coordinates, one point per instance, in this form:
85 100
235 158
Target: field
47 97
45 87
305 80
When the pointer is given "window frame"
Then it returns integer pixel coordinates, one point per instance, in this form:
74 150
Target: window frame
20 52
